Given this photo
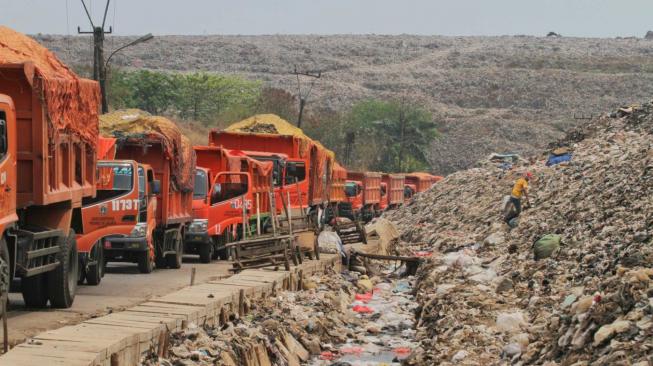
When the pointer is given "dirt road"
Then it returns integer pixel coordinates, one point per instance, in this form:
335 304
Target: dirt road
121 287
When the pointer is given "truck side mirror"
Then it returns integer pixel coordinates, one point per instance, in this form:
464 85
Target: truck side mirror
155 186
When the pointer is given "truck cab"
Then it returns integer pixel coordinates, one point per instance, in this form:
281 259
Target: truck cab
354 193
383 204
218 202
118 223
409 191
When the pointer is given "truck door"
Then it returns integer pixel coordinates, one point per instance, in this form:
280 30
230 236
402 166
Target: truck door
116 202
228 194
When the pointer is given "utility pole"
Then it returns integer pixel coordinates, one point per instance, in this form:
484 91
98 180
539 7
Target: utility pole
99 67
304 97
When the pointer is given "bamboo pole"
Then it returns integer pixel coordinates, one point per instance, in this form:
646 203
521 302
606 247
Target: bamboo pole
258 215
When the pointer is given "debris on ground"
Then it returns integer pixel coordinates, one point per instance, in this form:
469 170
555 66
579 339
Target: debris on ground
490 294
348 318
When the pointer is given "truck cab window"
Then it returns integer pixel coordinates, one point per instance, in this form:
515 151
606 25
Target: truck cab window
295 174
383 190
351 189
201 186
113 180
228 186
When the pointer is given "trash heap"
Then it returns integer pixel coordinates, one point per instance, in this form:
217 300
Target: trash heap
337 317
588 297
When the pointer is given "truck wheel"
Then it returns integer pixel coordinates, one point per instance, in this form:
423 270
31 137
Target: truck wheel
223 253
206 252
174 260
34 291
96 271
62 282
145 262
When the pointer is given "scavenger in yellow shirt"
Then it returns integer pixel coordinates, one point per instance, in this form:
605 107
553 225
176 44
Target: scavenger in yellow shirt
518 190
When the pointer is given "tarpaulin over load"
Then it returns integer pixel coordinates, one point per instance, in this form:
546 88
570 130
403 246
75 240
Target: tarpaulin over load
71 103
106 148
134 125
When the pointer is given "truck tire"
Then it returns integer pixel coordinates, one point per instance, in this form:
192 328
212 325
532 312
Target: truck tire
62 282
223 253
96 271
206 252
174 260
145 262
34 291
5 267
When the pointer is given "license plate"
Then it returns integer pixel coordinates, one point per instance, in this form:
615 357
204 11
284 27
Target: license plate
198 238
134 245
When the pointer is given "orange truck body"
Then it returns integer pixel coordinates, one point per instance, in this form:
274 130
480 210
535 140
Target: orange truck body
394 190
228 186
337 189
47 167
317 163
422 181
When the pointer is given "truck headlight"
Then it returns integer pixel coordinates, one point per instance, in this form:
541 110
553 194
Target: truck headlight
139 231
199 226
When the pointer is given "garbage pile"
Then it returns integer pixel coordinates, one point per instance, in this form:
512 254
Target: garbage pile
338 317
570 284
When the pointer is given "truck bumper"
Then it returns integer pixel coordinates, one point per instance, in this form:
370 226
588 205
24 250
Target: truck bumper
125 244
192 241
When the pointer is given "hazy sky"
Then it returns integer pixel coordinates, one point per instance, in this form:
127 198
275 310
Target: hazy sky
591 18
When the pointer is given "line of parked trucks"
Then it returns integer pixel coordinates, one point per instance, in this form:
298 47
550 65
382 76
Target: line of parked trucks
72 201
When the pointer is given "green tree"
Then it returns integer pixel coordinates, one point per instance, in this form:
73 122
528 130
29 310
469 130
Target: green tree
206 97
391 135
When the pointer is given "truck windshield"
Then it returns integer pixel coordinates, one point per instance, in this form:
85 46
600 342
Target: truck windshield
113 180
201 185
350 189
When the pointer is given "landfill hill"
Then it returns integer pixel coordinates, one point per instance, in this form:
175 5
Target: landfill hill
488 94
483 297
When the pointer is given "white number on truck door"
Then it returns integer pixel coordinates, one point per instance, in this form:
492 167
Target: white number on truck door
124 205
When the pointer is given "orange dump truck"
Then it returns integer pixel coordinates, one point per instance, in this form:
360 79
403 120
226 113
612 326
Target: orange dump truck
230 188
339 205
419 182
307 171
48 138
392 190
363 190
157 144
124 203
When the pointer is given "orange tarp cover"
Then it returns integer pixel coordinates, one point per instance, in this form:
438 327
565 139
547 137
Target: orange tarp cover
106 148
71 103
133 125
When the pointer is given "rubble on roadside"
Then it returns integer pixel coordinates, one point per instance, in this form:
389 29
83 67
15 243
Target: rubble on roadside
485 299
346 317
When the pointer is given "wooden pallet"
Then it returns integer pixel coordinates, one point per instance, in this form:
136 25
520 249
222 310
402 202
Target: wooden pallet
264 251
352 232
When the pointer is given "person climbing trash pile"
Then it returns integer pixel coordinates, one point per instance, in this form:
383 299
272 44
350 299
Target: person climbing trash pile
514 206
